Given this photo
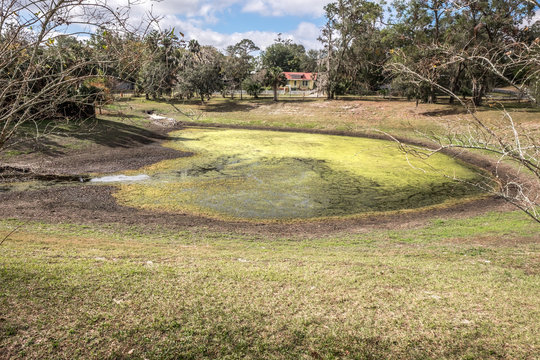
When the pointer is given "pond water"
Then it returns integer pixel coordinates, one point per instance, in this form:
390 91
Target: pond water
119 178
283 175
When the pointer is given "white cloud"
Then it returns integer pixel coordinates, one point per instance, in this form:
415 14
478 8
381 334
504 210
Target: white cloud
285 7
196 15
305 34
536 17
255 6
208 9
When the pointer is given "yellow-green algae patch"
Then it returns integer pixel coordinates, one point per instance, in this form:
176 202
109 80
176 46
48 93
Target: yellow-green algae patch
256 174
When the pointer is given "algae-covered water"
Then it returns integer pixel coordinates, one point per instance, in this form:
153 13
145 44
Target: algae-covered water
284 175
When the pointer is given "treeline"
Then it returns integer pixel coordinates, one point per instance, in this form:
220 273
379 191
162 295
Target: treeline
163 64
423 48
419 49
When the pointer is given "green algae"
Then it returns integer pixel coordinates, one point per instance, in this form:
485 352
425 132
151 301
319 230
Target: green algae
257 174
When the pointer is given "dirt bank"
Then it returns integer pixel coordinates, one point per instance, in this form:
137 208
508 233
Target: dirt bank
95 204
101 158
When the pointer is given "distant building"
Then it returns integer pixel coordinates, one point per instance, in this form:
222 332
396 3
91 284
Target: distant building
121 86
300 80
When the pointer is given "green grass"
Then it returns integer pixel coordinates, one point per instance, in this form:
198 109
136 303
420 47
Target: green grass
109 292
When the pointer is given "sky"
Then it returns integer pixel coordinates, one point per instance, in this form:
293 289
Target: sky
225 22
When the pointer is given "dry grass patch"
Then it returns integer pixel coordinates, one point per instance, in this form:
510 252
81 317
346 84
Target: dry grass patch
398 117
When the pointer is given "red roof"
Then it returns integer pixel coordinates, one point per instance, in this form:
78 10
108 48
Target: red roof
300 76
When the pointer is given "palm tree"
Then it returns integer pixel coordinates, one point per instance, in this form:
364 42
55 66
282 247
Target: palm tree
274 77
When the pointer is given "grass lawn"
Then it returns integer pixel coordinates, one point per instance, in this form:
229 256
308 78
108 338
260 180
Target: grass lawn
453 289
463 288
398 117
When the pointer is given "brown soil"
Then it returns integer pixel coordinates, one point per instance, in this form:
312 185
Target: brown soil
98 159
95 204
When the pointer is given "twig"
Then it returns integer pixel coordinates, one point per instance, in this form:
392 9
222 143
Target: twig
11 233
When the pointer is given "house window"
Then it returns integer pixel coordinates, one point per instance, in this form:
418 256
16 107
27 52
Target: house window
304 83
295 83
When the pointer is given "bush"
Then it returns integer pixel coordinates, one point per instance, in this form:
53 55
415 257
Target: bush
252 87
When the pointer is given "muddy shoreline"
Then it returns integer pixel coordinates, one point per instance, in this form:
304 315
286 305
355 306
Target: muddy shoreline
96 204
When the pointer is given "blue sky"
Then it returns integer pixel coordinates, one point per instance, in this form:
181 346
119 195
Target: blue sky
225 22
235 20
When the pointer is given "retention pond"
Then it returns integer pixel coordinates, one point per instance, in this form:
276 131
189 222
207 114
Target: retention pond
255 174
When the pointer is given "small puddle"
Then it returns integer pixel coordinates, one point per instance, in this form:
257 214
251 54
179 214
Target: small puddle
120 178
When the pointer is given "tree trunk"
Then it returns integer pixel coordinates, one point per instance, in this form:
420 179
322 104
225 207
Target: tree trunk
329 92
431 97
274 87
455 82
478 93
477 100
